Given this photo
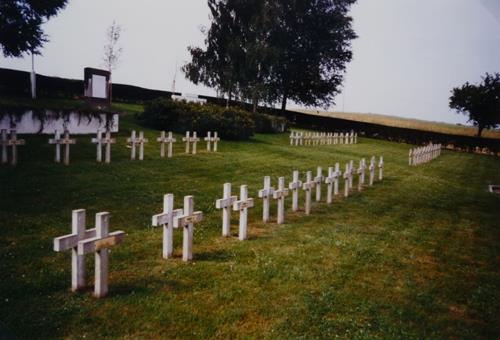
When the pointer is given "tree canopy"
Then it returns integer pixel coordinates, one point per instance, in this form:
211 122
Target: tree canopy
275 50
20 24
481 102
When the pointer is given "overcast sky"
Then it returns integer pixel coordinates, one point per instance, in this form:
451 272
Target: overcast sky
408 56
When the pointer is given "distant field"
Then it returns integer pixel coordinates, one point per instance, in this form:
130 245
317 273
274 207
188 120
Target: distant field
406 123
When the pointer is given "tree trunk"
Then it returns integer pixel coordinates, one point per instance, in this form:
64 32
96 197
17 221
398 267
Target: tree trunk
283 102
255 103
480 130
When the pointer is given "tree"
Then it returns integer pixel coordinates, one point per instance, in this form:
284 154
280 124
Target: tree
20 24
112 51
275 50
481 102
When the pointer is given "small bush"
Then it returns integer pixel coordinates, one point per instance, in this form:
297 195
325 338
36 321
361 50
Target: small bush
230 123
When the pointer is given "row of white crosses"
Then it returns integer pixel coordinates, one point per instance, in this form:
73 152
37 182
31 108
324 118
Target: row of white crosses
322 138
424 154
13 142
192 140
229 202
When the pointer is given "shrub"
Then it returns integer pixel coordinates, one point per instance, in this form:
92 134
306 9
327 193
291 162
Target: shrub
266 123
180 116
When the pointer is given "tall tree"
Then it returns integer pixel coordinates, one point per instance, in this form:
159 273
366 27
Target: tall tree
112 51
20 24
481 102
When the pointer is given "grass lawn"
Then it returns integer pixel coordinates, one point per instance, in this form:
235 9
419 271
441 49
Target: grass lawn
414 256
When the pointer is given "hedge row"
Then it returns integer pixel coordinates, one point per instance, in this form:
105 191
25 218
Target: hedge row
230 123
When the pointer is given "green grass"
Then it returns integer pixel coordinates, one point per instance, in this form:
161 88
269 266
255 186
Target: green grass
414 256
408 123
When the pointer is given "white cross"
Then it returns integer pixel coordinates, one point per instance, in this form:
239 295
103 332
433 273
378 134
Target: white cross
103 239
12 142
107 140
292 136
346 138
361 173
215 140
266 194
137 140
319 179
356 138
187 220
166 140
341 138
336 176
57 141
347 176
187 139
166 219
371 168
225 204
295 185
352 137
351 174
410 157
307 186
330 180
381 168
70 241
194 140
208 139
280 195
242 206
335 138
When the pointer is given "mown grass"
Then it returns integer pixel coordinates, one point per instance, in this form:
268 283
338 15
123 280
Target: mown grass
408 123
414 256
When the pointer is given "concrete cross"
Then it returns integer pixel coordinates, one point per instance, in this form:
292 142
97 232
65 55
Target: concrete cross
295 185
292 136
187 139
215 140
371 169
107 140
381 168
335 138
66 141
70 242
361 174
137 140
242 206
208 139
332 183
308 186
187 220
336 176
57 141
166 219
166 140
280 195
347 176
341 138
266 194
356 138
13 142
194 140
319 180
410 157
99 245
352 137
225 203
346 138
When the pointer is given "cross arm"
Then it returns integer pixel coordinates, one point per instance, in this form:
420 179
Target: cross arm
69 241
225 202
183 220
92 245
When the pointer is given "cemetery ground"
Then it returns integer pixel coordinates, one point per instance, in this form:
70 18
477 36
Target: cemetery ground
414 256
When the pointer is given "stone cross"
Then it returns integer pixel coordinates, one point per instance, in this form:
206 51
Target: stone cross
295 185
319 179
356 138
187 139
336 176
341 138
194 140
225 204
346 138
103 239
187 219
371 168
410 157
242 206
107 140
13 142
308 186
351 140
70 241
292 136
381 168
329 180
166 140
351 177
215 140
280 195
166 219
137 140
208 139
335 138
361 174
57 141
266 194
347 176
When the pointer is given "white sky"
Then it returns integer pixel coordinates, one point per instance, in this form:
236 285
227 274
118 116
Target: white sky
409 54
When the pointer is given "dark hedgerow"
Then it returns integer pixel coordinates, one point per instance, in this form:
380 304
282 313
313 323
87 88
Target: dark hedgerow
230 123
